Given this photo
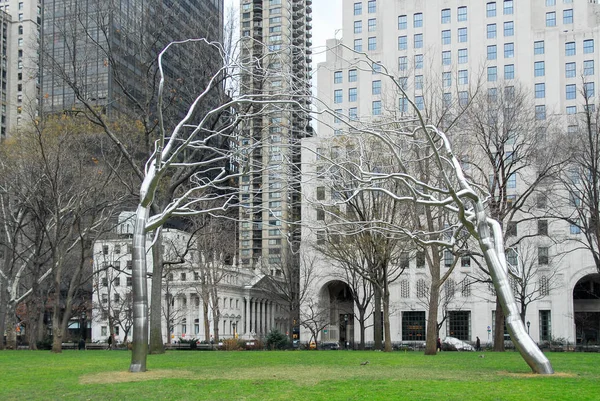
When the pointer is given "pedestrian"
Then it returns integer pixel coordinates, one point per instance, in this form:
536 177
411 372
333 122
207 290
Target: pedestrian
110 341
478 344
439 345
81 345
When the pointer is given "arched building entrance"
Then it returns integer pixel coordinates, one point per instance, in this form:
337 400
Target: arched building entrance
338 296
586 308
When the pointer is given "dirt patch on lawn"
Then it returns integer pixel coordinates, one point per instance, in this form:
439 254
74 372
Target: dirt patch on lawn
532 375
124 377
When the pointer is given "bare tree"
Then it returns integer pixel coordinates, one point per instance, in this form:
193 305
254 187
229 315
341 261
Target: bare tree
315 317
453 192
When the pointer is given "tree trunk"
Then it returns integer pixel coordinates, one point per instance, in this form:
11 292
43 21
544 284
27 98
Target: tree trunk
156 338
139 353
432 319
386 320
361 323
11 326
3 301
206 320
377 334
57 332
499 328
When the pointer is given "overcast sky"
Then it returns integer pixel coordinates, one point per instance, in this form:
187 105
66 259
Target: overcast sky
327 18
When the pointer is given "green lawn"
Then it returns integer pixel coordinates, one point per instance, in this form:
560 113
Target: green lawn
295 375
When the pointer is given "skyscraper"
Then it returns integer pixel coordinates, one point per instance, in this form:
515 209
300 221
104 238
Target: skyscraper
21 21
277 33
444 53
104 53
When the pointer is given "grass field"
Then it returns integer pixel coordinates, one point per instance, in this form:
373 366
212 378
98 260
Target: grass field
295 375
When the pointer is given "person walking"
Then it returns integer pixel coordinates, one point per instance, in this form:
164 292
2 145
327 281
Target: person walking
439 345
478 344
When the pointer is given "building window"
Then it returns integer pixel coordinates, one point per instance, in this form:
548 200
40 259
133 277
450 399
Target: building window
402 22
545 325
402 63
352 75
372 25
543 255
539 68
463 98
575 228
418 41
320 215
512 181
540 112
418 62
129 281
403 104
402 43
352 94
509 71
446 58
358 45
372 43
376 87
491 31
588 46
491 52
551 19
508 7
570 110
357 26
570 70
568 16
459 325
448 258
337 77
538 47
372 6
404 289
446 16
418 20
353 113
447 79
462 35
462 14
338 96
588 90
463 56
540 91
570 49
490 9
446 38
418 82
377 107
413 323
550 3
463 77
420 103
509 50
357 8
509 28
542 227
511 229
492 74
512 257
588 67
571 91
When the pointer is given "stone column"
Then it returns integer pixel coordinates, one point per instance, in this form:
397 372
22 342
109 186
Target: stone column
272 321
247 315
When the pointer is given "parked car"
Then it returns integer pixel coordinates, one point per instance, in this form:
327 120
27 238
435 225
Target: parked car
332 345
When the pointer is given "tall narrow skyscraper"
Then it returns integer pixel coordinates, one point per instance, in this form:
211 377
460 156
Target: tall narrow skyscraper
277 41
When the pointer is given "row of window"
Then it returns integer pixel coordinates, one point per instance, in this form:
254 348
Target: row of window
567 17
371 7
